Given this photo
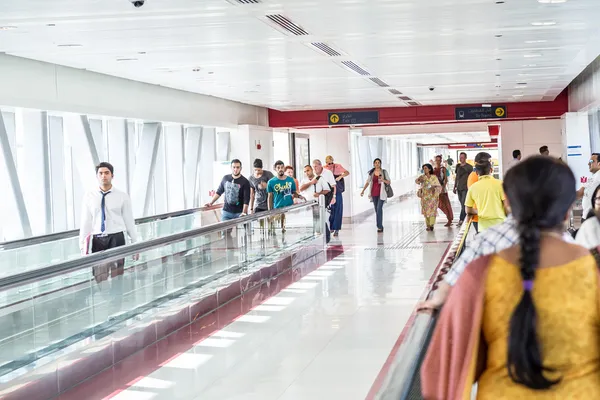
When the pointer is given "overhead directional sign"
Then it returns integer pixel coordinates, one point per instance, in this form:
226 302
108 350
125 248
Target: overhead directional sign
493 112
353 118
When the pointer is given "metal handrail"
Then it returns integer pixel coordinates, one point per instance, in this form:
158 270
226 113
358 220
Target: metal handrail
406 369
51 237
135 248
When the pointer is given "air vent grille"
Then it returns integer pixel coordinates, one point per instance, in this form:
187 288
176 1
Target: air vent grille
246 1
325 48
287 25
413 103
405 98
395 91
352 66
379 82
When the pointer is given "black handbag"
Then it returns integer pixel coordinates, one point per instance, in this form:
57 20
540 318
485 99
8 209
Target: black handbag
341 184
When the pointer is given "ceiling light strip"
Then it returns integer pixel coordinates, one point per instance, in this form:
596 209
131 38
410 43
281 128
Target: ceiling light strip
355 68
325 48
287 25
379 82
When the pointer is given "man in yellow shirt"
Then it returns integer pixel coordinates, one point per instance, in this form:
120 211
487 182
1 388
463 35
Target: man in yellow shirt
487 194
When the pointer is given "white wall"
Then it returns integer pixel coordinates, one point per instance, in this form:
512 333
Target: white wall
334 142
577 147
45 86
244 146
529 136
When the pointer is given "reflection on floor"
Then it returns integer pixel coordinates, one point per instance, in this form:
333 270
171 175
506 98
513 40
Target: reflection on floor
326 336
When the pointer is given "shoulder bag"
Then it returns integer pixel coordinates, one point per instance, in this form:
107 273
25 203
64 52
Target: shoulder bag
341 184
388 188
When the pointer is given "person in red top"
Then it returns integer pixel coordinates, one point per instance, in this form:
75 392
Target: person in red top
444 204
378 178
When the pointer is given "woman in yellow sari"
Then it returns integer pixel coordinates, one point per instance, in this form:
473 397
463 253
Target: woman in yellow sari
429 193
523 323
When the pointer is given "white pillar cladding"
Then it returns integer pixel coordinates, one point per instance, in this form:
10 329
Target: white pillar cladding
208 156
159 180
223 146
15 219
58 176
173 136
35 186
576 143
117 135
193 141
144 168
131 150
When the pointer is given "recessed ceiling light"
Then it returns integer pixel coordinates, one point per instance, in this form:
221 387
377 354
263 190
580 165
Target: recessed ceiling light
530 65
543 23
126 59
518 95
532 55
70 45
7 28
535 41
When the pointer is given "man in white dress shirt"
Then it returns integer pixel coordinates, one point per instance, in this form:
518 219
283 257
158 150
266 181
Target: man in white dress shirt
312 187
516 159
327 176
106 215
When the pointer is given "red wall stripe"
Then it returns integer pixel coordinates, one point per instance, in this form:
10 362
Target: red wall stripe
419 114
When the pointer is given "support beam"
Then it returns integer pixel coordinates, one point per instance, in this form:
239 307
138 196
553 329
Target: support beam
85 154
8 162
144 168
174 147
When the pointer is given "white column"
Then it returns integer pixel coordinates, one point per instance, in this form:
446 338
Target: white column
58 176
576 142
173 137
207 163
193 138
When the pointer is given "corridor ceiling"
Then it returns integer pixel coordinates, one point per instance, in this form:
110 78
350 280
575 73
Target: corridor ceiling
318 54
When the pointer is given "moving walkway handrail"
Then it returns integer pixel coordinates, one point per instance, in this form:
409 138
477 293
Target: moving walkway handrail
399 382
135 248
33 240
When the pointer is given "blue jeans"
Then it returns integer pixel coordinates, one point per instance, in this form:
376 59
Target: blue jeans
226 215
378 204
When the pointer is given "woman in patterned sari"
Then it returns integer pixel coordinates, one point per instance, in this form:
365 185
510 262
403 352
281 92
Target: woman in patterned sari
429 194
444 203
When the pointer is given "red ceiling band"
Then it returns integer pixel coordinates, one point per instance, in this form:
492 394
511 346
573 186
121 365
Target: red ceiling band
420 114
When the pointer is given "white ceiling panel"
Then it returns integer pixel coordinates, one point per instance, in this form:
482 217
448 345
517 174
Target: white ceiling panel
471 51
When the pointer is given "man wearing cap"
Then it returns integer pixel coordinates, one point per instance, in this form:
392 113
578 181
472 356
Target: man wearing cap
487 193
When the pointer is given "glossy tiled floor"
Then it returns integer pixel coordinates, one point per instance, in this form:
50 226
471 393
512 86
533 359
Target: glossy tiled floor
326 336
